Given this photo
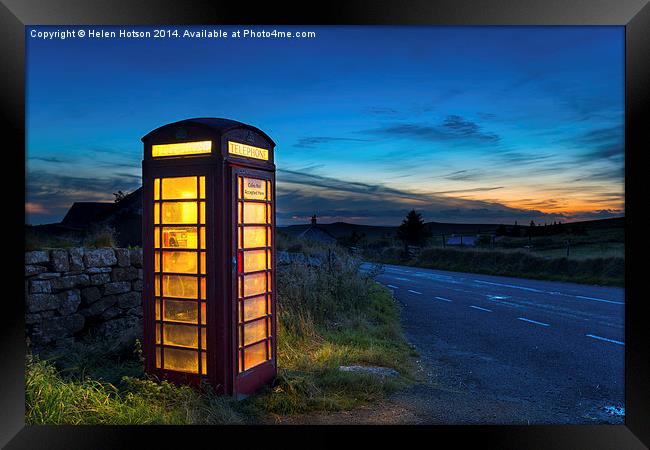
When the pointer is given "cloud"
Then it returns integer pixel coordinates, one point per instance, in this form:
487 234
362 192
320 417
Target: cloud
522 158
453 128
598 144
59 191
53 160
381 111
314 141
302 194
594 215
464 175
35 208
611 174
467 129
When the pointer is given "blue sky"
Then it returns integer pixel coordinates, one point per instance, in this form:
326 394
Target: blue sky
464 124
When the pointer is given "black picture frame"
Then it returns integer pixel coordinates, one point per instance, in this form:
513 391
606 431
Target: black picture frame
633 14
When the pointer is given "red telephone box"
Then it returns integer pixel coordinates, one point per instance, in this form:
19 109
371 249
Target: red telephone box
209 254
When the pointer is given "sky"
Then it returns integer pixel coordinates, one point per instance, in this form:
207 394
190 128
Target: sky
463 124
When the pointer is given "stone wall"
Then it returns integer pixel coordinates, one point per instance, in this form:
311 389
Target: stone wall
71 293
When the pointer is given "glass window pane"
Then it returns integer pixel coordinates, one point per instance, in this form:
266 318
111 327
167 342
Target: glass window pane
203 338
254 212
179 212
156 237
204 364
156 285
156 213
254 355
254 307
203 314
156 189
181 335
179 237
158 358
255 331
203 288
202 217
181 286
157 309
202 256
202 237
254 260
254 237
254 189
158 333
156 261
181 360
254 284
180 311
202 187
180 262
181 187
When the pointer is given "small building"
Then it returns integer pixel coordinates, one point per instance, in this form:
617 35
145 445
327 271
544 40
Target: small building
469 241
317 233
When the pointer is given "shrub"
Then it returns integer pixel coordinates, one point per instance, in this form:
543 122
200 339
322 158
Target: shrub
608 270
101 236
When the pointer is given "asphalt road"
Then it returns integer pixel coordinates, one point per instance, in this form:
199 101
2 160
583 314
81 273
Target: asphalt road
509 350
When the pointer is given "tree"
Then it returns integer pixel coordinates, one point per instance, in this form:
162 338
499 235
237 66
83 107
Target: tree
516 230
412 231
119 196
531 229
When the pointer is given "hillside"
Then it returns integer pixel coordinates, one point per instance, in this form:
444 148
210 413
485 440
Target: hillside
340 229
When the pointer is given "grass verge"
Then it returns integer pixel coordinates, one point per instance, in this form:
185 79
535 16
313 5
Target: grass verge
608 271
329 316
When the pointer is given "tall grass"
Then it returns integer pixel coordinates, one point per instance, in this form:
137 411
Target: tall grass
595 270
328 316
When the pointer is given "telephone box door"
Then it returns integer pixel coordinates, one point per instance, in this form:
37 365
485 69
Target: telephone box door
253 277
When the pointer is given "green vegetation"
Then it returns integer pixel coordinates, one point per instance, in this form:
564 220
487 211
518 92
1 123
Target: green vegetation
515 263
95 237
589 252
36 240
328 316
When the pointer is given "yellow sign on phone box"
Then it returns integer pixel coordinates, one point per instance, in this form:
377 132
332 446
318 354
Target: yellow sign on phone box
247 151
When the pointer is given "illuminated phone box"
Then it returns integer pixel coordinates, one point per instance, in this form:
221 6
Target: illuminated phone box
209 254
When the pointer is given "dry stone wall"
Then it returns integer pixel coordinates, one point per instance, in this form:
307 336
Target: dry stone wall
71 293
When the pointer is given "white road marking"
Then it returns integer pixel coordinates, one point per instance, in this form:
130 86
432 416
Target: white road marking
414 292
478 307
605 339
497 297
443 299
552 293
402 279
508 285
533 321
392 269
391 286
599 300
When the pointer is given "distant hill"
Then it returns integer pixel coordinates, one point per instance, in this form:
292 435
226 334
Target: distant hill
341 229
